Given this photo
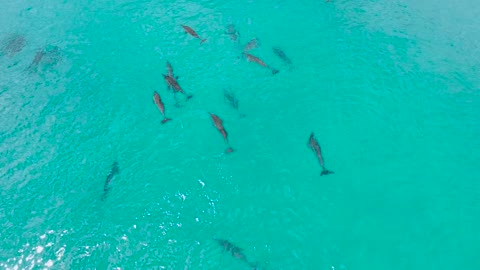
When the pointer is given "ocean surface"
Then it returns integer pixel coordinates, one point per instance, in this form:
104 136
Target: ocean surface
391 90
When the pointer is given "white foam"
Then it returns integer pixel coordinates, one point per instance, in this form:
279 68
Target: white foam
49 263
39 249
60 253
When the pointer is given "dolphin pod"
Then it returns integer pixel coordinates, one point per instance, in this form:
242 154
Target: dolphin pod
16 44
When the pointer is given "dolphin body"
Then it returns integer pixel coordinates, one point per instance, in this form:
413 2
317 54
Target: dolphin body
229 97
313 144
279 52
252 44
173 83
232 32
158 101
218 123
106 188
252 58
13 45
192 32
235 251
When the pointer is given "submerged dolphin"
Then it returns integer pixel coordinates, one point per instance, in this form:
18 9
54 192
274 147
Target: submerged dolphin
13 45
192 32
282 55
170 70
313 144
38 57
106 188
46 56
235 251
229 97
232 32
252 44
219 125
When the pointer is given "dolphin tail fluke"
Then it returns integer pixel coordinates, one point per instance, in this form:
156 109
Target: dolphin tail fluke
203 40
165 120
243 115
274 71
229 150
325 172
189 96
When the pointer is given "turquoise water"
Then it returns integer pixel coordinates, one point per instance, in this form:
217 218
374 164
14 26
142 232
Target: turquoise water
390 88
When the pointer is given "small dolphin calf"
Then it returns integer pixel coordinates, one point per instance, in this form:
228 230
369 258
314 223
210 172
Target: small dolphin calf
232 32
106 188
219 125
192 32
257 60
161 107
313 144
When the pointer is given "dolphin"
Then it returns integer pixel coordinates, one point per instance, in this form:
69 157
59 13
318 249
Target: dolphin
192 32
282 55
313 144
229 97
169 69
13 45
235 251
252 58
170 73
106 188
252 44
159 103
232 32
172 82
219 125
36 60
47 56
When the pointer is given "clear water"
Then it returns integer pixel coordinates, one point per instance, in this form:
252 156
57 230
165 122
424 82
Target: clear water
390 88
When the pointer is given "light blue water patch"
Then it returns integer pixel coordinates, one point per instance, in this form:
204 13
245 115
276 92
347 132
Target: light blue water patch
390 89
